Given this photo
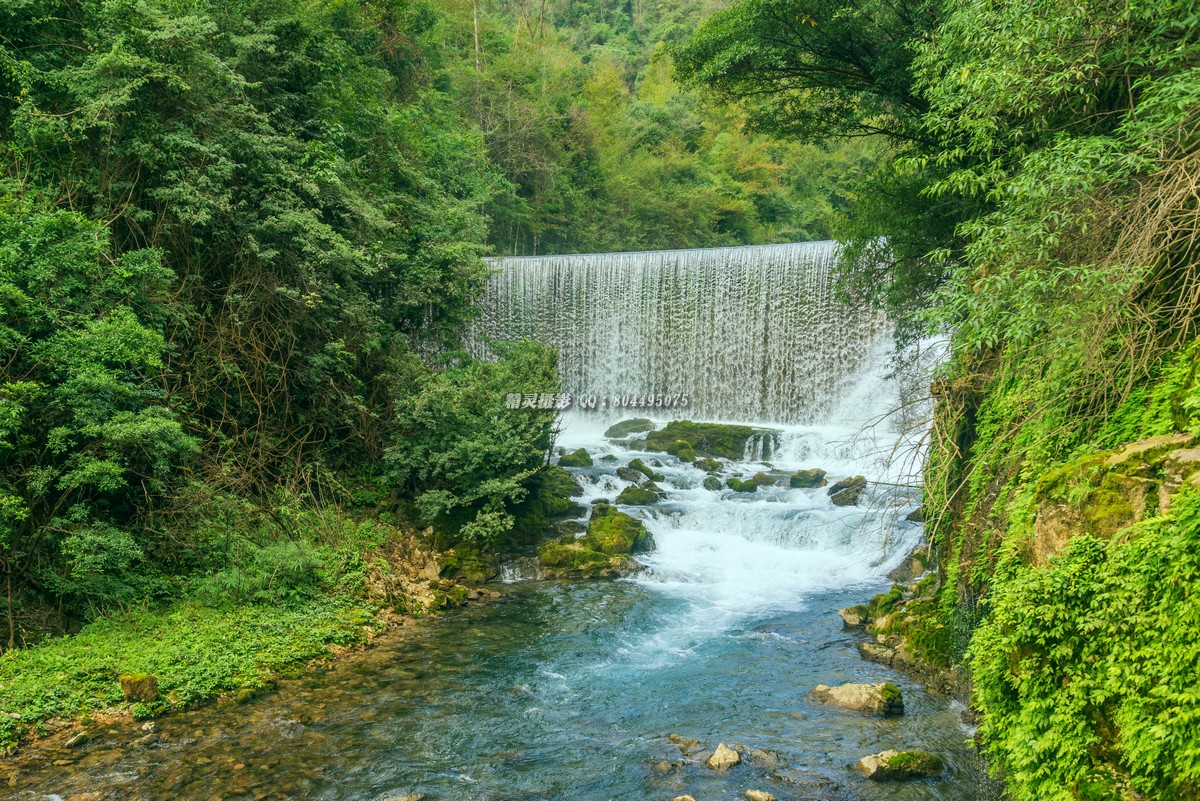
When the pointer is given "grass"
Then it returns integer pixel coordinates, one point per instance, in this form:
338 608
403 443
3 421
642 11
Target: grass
197 653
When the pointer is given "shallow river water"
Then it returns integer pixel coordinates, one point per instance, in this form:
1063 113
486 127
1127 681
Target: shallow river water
568 690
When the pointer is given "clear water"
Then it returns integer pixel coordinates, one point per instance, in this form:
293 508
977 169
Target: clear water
568 690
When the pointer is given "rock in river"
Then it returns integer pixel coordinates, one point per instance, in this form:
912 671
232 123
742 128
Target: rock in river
881 699
893 765
723 758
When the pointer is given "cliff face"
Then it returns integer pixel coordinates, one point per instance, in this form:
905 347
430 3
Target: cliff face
1063 510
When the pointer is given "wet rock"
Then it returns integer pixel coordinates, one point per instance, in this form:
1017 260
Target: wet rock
80 738
639 496
854 617
916 515
808 479
644 469
763 479
628 474
409 797
712 483
707 465
147 740
683 798
577 458
723 758
738 485
763 758
704 439
874 652
882 699
688 745
244 695
897 765
139 686
636 425
665 766
150 727
847 491
759 795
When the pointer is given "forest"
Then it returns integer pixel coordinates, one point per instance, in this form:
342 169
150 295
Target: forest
240 244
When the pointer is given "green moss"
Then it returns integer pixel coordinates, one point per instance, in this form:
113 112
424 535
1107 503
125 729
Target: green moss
890 692
577 458
626 427
706 439
641 467
763 479
639 496
884 603
707 465
808 479
916 762
712 483
611 531
738 485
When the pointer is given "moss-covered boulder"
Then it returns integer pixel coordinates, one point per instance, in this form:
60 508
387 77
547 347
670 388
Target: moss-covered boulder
808 479
763 479
577 458
723 440
603 552
646 470
139 686
847 491
738 485
708 465
712 483
564 558
897 765
626 473
467 563
640 495
611 531
626 427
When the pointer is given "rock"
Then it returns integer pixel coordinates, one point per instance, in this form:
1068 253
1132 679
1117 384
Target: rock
147 740
894 765
409 797
629 474
626 427
881 699
764 758
244 695
1146 446
916 515
683 798
722 440
707 465
874 652
759 795
139 686
577 458
638 496
847 491
723 758
854 617
712 483
77 739
738 485
150 727
641 467
682 450
689 745
763 479
808 479
665 766
603 552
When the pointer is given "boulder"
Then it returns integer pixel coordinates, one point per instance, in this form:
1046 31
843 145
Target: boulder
603 552
688 745
759 795
577 458
626 473
894 765
706 439
808 479
707 465
641 467
847 491
763 479
738 485
882 699
626 427
139 686
712 483
77 739
683 798
854 617
639 496
765 759
723 758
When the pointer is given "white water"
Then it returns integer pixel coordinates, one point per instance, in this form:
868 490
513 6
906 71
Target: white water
751 333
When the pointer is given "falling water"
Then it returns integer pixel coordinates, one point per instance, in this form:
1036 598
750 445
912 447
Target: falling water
746 333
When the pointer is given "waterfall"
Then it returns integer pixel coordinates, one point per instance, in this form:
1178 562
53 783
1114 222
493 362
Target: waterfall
741 333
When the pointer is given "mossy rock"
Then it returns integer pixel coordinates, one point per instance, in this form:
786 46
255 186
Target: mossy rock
626 427
611 531
639 496
577 458
738 485
763 479
609 458
707 464
848 491
898 765
644 469
561 559
885 602
139 686
468 563
808 479
626 473
722 440
712 483
570 527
